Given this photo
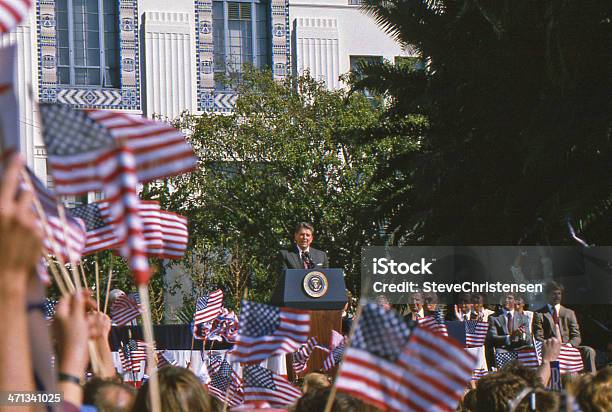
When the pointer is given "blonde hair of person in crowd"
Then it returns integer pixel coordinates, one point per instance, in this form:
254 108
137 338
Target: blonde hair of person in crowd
180 391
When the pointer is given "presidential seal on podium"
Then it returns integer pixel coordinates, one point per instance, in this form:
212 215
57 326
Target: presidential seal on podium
315 284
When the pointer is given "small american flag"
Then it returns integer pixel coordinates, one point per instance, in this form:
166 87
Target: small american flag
124 310
208 307
391 368
299 358
475 333
263 385
569 359
85 156
269 330
229 325
160 149
166 234
165 358
55 241
13 12
100 229
175 235
132 354
435 323
225 384
334 357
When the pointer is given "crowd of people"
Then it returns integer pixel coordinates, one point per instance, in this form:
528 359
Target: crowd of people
28 363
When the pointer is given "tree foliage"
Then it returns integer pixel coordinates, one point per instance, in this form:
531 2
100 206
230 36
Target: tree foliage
517 97
289 152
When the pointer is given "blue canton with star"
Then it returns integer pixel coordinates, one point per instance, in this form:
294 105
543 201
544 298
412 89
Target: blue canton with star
258 377
380 332
259 319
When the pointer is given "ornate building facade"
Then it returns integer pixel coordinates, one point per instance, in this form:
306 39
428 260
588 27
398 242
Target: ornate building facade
163 57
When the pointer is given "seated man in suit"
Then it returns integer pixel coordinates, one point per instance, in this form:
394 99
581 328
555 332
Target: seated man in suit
302 256
509 330
552 314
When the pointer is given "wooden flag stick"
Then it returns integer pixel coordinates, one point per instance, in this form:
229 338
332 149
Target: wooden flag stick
83 276
97 268
108 284
94 357
56 275
73 266
48 231
147 325
334 388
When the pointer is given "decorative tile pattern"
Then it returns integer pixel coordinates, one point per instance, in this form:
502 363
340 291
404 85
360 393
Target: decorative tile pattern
204 54
210 100
126 97
280 39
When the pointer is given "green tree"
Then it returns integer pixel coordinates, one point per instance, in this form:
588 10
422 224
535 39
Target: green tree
289 152
518 108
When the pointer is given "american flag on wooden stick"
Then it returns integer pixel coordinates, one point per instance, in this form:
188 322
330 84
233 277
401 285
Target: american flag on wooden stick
175 235
13 12
393 369
333 358
299 358
475 333
435 323
132 354
100 229
55 241
84 156
125 309
263 385
225 384
208 307
160 149
269 330
165 233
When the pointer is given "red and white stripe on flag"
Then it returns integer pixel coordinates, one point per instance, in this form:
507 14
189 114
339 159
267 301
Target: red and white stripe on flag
152 231
570 360
208 307
13 12
124 310
263 385
269 330
175 235
66 239
430 374
102 238
160 150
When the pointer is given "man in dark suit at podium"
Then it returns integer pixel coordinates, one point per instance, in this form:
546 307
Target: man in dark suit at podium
302 256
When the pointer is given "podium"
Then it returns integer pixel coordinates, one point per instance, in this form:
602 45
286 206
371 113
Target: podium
322 292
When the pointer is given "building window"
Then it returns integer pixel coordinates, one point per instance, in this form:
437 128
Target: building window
88 42
409 62
240 37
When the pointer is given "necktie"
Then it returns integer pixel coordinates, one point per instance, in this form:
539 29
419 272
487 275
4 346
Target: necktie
510 324
307 261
